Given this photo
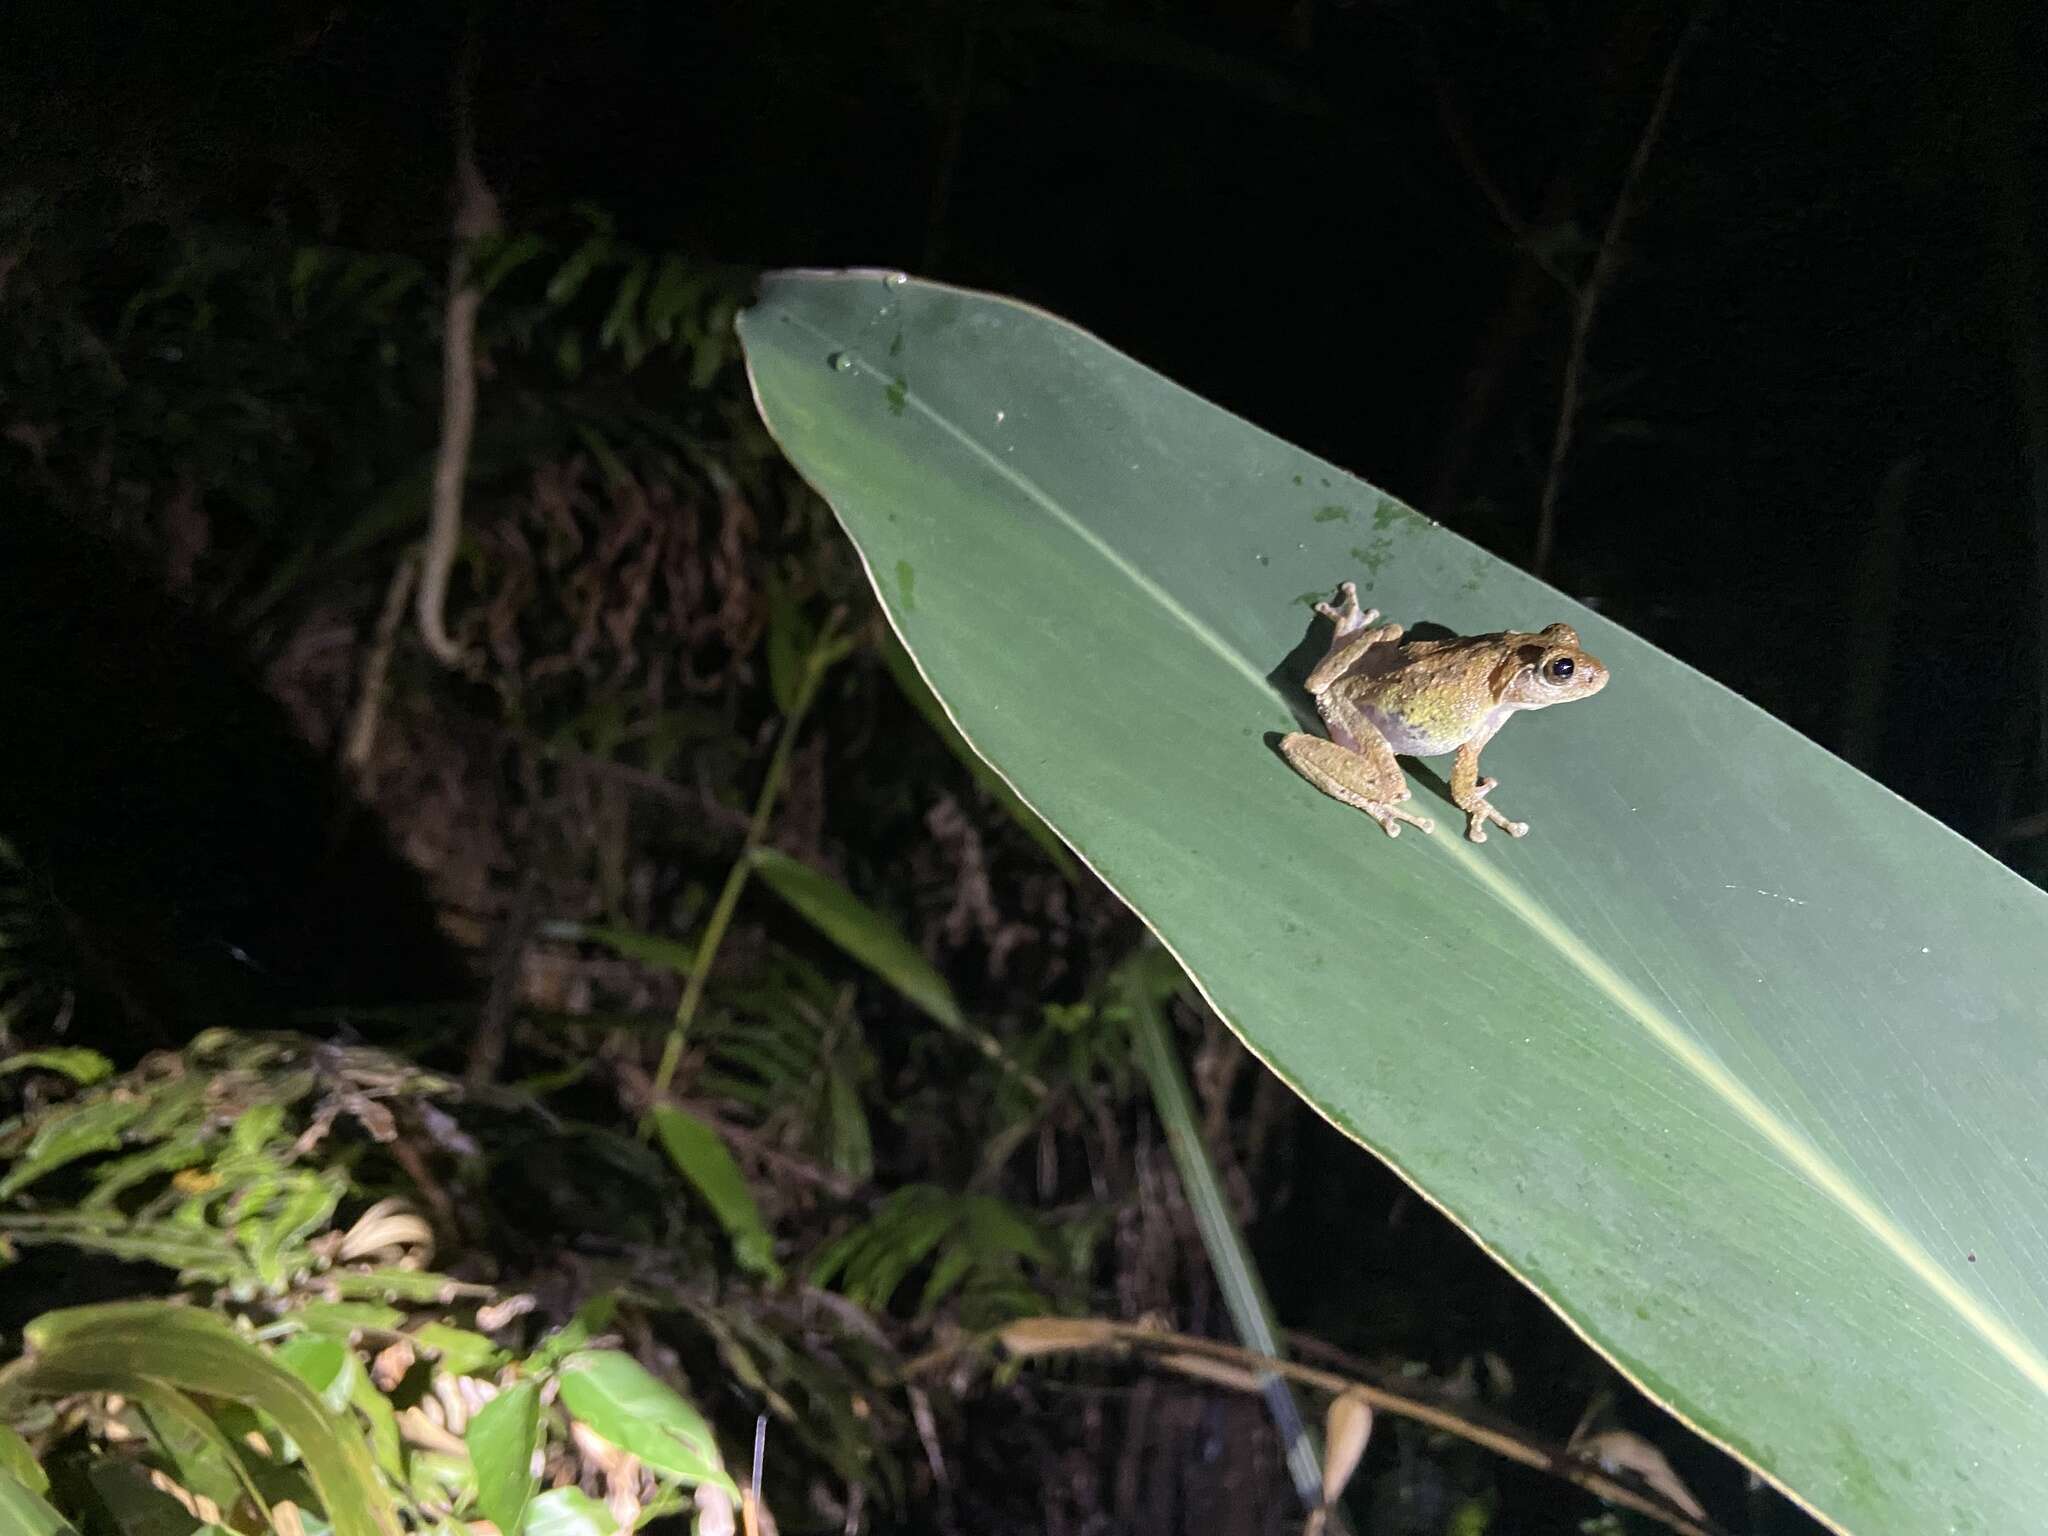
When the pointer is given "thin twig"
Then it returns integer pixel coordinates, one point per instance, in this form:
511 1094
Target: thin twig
1586 301
1453 124
1087 1335
362 730
2023 828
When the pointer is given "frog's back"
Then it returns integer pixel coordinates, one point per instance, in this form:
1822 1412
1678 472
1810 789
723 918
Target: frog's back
1433 707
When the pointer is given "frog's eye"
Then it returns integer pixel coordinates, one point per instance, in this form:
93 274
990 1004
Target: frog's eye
1561 669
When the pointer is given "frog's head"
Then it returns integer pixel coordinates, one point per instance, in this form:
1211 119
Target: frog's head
1549 668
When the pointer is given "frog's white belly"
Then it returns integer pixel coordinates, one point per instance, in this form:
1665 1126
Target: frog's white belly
1411 740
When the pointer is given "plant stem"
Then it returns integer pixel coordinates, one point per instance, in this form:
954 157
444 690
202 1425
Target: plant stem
822 655
1145 982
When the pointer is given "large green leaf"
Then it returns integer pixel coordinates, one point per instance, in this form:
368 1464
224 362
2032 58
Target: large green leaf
137 1347
18 1461
1739 1061
502 1439
621 1400
23 1513
567 1512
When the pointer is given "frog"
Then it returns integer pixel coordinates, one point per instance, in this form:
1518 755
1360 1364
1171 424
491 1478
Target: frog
1380 697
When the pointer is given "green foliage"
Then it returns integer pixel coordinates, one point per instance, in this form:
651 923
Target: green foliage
160 1355
646 598
904 670
205 1180
222 1421
281 398
876 943
616 1396
501 1440
19 1462
76 1063
981 1246
23 1513
702 1158
568 1512
332 1390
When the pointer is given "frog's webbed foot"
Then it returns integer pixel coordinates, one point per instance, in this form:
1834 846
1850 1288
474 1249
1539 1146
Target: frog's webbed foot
1476 806
1368 778
1350 618
1352 637
1344 613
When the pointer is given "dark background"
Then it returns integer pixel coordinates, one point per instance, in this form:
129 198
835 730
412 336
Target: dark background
1813 370
1811 454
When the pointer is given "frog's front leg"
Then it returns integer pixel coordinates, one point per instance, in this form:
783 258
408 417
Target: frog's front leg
1353 764
1469 792
1351 638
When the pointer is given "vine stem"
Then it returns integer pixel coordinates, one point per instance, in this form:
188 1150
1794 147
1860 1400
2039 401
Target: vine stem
476 215
827 650
1585 300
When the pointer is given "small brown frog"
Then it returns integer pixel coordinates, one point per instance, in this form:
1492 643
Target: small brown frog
1423 699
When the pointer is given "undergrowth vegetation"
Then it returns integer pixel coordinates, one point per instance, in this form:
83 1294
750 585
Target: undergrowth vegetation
787 1059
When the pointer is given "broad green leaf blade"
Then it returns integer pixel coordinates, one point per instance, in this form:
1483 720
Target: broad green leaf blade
614 1395
133 1506
567 1512
23 1512
704 1159
904 671
324 1363
200 1456
126 1346
501 1440
18 1461
1736 1059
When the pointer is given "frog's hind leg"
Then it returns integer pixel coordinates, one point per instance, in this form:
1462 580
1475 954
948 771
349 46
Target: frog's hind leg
1365 776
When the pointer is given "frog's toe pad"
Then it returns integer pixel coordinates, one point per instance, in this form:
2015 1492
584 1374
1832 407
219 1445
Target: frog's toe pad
1391 819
